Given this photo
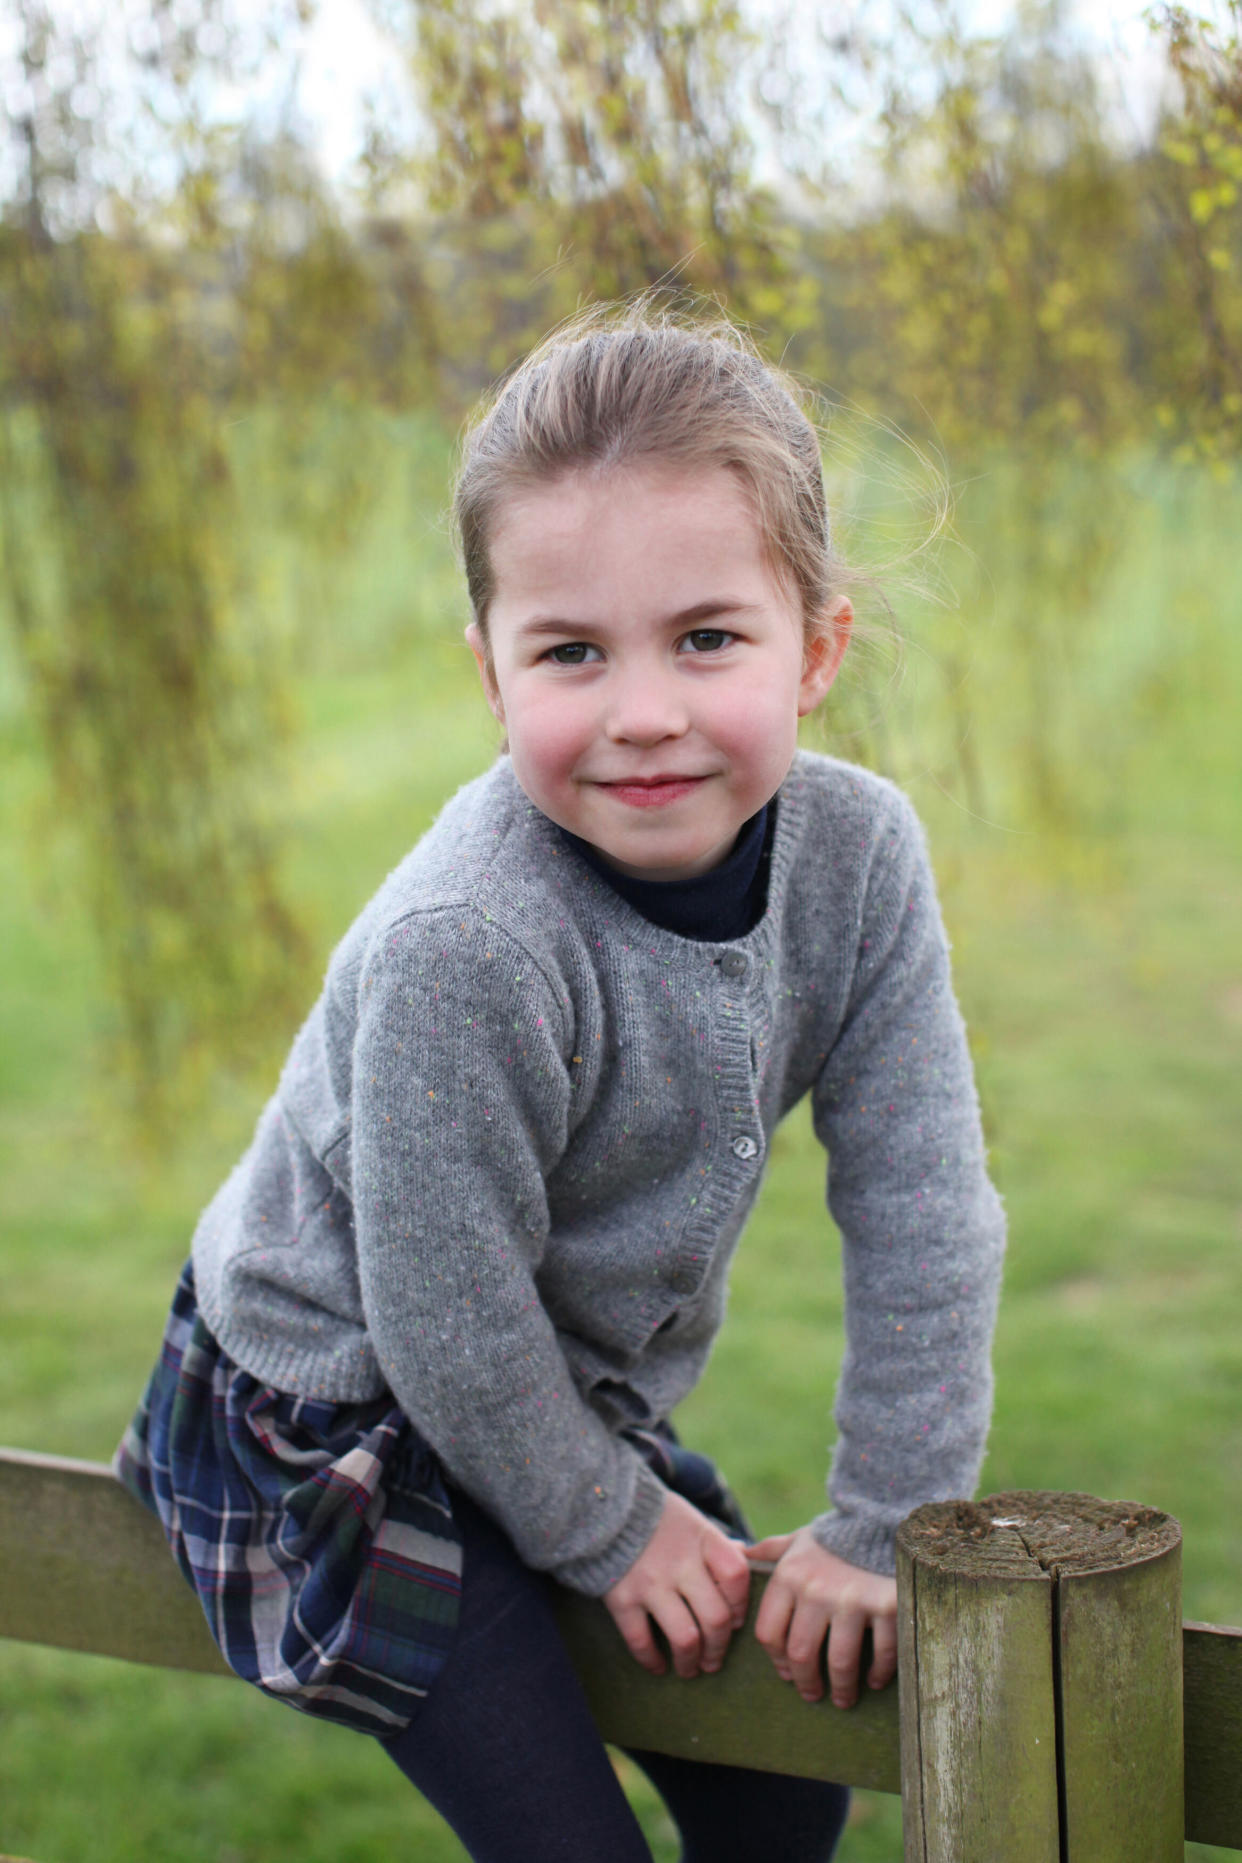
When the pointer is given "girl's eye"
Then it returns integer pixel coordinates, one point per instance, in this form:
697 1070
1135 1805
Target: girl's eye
707 639
570 653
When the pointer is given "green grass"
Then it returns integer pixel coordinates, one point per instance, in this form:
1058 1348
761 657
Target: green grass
1095 933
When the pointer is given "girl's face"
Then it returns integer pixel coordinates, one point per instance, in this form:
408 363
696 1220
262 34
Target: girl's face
647 665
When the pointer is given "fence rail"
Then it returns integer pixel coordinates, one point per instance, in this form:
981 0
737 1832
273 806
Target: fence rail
83 1567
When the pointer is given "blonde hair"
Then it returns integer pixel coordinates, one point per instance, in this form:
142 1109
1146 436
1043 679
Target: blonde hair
637 382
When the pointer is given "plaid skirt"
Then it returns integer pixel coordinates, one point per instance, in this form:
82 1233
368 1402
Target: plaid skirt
320 1537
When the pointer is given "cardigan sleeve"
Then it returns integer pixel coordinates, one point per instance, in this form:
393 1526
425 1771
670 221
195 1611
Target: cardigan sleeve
461 1102
922 1228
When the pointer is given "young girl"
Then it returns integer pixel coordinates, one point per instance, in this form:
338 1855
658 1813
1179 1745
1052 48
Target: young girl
423 1359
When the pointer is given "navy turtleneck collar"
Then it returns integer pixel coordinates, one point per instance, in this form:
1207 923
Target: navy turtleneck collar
715 906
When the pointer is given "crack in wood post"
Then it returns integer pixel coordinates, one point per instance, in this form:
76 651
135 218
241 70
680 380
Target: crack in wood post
1058 1711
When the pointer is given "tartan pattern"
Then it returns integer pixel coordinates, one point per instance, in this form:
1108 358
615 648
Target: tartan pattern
318 1536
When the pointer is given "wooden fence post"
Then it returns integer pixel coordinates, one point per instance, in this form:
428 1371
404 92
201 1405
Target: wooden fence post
1041 1682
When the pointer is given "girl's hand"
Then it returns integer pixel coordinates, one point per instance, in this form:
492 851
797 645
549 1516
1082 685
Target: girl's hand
694 1581
813 1594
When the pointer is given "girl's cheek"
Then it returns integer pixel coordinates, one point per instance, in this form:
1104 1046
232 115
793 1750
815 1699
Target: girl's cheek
547 742
561 726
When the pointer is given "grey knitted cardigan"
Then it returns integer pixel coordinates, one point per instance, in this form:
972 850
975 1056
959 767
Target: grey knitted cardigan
516 1141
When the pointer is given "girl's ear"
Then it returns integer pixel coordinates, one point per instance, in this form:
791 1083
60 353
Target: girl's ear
821 661
477 643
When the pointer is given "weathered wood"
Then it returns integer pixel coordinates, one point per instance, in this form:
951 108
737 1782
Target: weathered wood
978 1723
975 1716
745 1716
1212 1697
84 1567
1118 1571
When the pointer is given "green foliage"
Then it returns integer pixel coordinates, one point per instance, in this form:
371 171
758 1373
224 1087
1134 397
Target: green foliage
158 714
1199 194
986 290
584 150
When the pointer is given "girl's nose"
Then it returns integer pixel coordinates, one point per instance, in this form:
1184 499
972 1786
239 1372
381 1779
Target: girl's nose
644 708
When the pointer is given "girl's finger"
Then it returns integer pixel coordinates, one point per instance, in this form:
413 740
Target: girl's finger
772 1623
727 1564
804 1647
884 1647
714 1616
635 1626
680 1626
844 1654
770 1549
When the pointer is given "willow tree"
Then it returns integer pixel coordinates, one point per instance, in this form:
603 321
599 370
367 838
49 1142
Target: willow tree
158 711
586 149
985 298
1200 348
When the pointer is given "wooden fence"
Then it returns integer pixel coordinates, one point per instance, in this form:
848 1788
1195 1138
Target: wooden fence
1051 1706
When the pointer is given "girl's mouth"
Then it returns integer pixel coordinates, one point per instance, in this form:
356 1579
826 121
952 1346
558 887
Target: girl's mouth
655 792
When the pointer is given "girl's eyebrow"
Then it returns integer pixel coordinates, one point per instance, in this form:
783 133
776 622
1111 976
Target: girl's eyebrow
708 610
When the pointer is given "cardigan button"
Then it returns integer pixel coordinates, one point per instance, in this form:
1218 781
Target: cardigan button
744 1146
734 964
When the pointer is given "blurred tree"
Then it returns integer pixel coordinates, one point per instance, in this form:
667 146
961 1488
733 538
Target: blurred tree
584 150
997 305
1200 194
118 508
988 294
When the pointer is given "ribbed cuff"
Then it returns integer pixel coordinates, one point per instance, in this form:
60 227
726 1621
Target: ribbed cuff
596 1573
869 1544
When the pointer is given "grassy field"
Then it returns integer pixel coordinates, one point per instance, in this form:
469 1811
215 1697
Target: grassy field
1070 734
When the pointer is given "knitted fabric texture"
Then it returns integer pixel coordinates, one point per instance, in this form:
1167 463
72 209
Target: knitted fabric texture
516 1142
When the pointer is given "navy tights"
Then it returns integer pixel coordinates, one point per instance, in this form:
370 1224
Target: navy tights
506 1750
